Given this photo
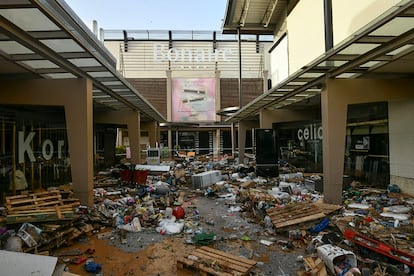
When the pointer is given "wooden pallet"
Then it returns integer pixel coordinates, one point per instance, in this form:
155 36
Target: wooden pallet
42 206
210 261
33 201
40 217
294 214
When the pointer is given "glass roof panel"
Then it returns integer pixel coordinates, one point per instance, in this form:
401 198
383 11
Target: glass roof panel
346 76
85 62
112 83
108 101
395 27
61 76
40 64
370 63
401 49
358 48
332 63
13 48
103 74
63 45
297 83
30 19
313 90
311 75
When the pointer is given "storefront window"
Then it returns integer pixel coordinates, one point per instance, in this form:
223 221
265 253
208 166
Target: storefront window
301 144
33 148
366 152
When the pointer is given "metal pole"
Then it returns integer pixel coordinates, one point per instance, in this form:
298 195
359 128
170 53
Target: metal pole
240 70
327 9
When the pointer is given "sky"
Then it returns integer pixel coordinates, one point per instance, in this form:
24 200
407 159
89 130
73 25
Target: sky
199 15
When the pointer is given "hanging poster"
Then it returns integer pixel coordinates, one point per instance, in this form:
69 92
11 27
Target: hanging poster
193 100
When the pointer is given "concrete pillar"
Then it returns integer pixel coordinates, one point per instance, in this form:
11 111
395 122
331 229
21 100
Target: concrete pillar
152 132
233 139
335 98
169 95
132 120
170 143
218 94
75 95
134 133
242 141
217 147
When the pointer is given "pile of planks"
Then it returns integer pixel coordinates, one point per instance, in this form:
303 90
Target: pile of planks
210 261
41 206
294 213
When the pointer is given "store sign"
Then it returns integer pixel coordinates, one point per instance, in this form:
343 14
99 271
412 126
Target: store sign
48 149
310 132
162 53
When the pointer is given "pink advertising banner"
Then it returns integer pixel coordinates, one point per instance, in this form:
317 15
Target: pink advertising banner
193 100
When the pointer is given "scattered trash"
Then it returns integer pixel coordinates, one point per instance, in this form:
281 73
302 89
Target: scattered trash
93 267
289 211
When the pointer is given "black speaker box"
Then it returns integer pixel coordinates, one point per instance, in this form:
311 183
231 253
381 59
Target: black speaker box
266 146
267 170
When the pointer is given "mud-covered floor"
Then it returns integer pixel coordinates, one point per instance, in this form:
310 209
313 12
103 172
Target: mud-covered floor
150 253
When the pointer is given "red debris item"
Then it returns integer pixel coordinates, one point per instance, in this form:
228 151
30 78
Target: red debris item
178 212
379 247
127 219
134 176
78 260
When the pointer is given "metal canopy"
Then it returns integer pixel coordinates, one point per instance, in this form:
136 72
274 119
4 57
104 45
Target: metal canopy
256 16
46 39
382 49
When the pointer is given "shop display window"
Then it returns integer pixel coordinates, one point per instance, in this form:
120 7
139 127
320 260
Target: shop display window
367 143
33 148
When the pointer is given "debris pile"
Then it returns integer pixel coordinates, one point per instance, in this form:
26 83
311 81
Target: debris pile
371 231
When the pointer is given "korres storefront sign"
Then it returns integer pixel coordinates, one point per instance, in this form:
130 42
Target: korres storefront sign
310 132
48 148
162 53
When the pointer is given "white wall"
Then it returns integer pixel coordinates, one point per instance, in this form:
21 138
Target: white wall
401 134
350 15
305 25
306 38
280 62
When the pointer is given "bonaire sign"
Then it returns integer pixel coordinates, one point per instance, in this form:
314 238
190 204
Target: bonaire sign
48 148
162 53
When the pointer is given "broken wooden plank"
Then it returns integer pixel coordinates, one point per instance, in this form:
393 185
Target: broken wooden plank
40 217
184 263
220 262
294 214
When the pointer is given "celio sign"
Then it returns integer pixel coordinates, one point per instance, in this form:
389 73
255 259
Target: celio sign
162 53
310 132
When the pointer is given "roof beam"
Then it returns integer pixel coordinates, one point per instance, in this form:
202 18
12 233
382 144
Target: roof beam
269 13
245 10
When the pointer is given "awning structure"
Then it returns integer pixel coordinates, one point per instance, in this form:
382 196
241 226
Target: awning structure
46 39
382 49
256 16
